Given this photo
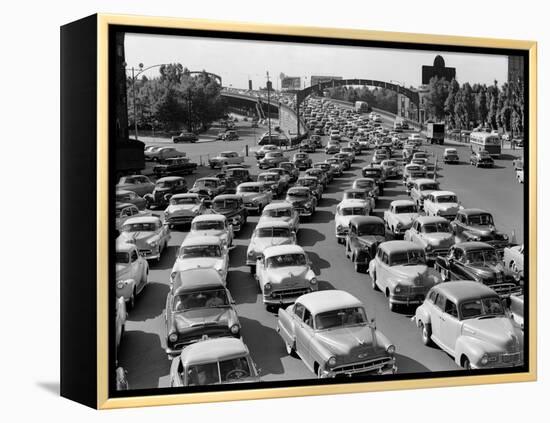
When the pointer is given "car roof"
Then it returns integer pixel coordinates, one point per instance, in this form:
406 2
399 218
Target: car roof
228 152
185 195
270 223
120 206
208 178
142 219
400 246
352 202
124 247
459 291
278 205
308 177
169 178
283 249
227 197
184 280
474 245
354 190
209 217
328 300
430 219
469 212
123 191
201 240
251 184
441 193
402 203
361 220
426 181
298 189
211 350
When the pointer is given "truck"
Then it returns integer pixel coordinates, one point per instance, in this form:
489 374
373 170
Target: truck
435 133
361 107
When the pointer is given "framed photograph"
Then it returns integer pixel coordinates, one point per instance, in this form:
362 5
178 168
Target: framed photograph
253 211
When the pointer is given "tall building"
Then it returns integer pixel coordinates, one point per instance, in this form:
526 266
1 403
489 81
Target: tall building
438 69
515 68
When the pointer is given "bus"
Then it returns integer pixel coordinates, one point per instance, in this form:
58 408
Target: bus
485 141
362 107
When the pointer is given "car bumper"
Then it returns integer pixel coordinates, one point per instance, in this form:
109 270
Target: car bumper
387 368
150 254
179 220
411 299
286 297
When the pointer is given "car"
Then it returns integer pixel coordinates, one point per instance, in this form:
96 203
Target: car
320 175
274 182
359 194
334 135
230 136
302 161
415 139
162 153
130 197
433 233
185 137
284 211
232 207
344 159
362 239
212 224
268 233
313 184
336 165
225 158
208 187
121 381
513 260
139 184
355 146
442 203
327 168
308 146
345 211
332 334
450 155
203 251
481 159
478 225
272 159
284 273
175 166
379 156
303 200
413 171
255 196
213 361
291 169
197 305
390 168
400 216
317 140
131 272
516 309
284 175
120 320
480 262
148 233
125 211
261 152
182 208
332 147
368 185
400 271
165 188
350 151
236 174
421 188
375 172
468 321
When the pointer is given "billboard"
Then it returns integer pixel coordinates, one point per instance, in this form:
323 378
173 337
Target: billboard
315 79
291 83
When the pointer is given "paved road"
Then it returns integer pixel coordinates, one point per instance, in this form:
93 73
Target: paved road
142 349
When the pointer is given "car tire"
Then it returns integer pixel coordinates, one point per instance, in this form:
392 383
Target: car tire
393 306
374 284
426 333
465 362
132 300
290 349
252 269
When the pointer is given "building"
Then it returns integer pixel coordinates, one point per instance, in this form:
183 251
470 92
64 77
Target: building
408 109
515 68
438 69
315 79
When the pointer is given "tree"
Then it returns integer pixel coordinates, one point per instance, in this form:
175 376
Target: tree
450 101
482 106
437 95
493 106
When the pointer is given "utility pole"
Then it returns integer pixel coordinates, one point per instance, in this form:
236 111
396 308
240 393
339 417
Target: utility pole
268 106
135 104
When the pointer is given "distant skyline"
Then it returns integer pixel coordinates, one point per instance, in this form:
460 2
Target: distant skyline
236 61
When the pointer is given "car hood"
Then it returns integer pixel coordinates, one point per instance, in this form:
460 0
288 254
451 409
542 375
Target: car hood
288 276
414 274
202 262
406 218
227 212
136 236
352 343
483 230
260 244
213 232
500 331
250 195
439 239
182 209
220 316
122 271
370 240
486 270
296 203
447 207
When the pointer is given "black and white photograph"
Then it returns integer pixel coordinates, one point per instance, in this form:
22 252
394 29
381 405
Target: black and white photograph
303 212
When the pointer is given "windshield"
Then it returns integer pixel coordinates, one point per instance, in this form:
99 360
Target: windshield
123 258
360 195
429 187
300 156
224 371
322 166
273 233
188 200
197 251
446 199
482 256
306 182
481 219
285 260
340 318
249 189
205 184
140 227
429 228
208 225
371 171
405 209
201 299
299 194
371 229
408 258
353 211
268 178
482 308
278 213
165 184
364 184
225 204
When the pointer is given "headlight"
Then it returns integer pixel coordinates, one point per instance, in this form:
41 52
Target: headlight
331 361
173 337
219 269
313 281
153 243
122 284
429 247
390 349
267 286
399 224
339 227
484 359
235 329
397 289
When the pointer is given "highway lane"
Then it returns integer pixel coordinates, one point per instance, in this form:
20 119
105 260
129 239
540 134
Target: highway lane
142 352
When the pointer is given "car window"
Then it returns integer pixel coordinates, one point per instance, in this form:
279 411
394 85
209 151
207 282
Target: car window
308 318
299 310
385 258
440 302
432 296
450 309
133 256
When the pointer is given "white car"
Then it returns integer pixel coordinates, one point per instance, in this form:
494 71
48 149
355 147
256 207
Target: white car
345 210
268 233
212 225
284 211
132 272
225 158
513 260
148 234
400 215
421 188
433 233
203 252
442 203
284 273
183 208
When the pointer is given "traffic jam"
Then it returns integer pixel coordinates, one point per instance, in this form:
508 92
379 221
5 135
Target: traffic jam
429 257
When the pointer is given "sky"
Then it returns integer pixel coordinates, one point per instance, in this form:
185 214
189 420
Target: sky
236 61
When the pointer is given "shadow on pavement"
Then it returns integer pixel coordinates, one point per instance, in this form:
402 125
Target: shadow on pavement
317 263
327 202
237 256
246 231
150 302
408 365
167 259
243 287
325 286
308 237
322 216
